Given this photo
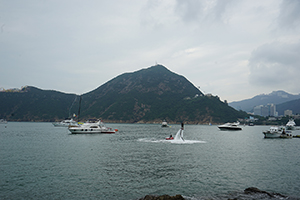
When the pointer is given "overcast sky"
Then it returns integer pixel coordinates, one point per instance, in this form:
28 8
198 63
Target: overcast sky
231 48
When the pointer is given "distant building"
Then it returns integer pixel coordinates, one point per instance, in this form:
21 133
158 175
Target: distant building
257 110
288 113
272 110
272 119
268 110
265 111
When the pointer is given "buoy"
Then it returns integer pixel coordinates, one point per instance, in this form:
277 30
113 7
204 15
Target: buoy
116 130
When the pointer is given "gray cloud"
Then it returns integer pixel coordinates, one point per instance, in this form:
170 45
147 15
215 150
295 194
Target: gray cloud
75 46
289 16
201 11
276 64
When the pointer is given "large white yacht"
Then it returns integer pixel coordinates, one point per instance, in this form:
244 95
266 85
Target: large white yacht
230 126
90 127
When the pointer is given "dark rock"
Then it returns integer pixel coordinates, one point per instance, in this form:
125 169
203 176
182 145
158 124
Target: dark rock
163 197
254 190
148 197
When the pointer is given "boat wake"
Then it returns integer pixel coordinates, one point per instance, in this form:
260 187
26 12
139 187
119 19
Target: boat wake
154 140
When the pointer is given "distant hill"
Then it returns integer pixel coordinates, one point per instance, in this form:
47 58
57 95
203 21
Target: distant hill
276 97
148 95
33 104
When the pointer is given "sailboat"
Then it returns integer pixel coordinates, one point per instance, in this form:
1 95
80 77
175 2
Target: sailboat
68 121
90 126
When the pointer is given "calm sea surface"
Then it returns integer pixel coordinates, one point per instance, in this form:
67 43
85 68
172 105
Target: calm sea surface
40 161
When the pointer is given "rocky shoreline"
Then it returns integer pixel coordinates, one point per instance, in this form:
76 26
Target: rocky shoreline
248 193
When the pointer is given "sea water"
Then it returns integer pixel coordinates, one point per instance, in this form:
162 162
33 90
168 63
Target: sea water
40 161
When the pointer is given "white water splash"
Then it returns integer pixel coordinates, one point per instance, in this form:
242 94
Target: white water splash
179 136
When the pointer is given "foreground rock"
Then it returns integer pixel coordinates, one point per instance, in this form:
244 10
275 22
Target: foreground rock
248 194
254 190
162 197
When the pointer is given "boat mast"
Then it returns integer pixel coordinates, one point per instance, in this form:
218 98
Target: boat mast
79 108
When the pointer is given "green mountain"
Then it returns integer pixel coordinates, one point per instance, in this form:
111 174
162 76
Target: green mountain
148 95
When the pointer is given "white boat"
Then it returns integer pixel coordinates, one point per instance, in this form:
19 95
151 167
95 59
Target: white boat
65 123
164 124
3 121
276 132
230 126
290 125
91 127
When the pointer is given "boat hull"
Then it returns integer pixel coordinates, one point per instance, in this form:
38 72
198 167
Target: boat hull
76 130
271 135
276 135
290 128
230 128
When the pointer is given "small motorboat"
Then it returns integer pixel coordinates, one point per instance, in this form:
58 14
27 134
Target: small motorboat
273 132
230 126
3 121
164 124
65 123
290 125
276 132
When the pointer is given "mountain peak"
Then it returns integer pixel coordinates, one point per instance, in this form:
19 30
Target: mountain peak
158 67
280 93
155 79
